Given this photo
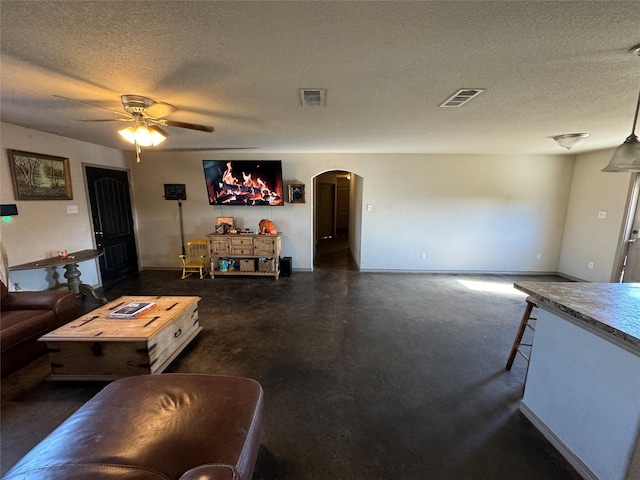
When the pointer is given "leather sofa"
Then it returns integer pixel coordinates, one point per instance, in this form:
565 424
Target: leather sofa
151 427
25 317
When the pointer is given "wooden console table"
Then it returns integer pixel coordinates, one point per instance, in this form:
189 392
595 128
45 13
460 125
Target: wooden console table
250 254
72 274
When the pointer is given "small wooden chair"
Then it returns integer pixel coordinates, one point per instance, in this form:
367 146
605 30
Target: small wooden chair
527 322
195 260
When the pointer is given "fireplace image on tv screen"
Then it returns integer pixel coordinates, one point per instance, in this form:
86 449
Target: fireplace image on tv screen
244 182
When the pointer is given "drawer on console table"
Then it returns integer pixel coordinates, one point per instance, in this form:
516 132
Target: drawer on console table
241 242
238 251
241 246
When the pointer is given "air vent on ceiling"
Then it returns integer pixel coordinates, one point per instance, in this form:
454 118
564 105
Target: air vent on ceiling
461 97
313 97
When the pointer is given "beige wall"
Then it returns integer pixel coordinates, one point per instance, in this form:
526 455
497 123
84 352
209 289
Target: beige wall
482 213
588 238
42 228
478 213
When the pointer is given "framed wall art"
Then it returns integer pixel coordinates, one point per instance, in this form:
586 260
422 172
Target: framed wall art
40 177
175 191
296 193
224 224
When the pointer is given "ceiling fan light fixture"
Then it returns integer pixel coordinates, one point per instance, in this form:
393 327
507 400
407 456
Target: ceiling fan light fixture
626 158
158 135
143 135
570 140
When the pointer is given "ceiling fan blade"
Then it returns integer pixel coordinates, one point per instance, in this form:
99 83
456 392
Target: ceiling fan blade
92 105
205 149
191 126
108 120
160 110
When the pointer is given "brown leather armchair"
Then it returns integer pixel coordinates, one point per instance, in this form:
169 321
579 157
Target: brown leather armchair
25 317
166 426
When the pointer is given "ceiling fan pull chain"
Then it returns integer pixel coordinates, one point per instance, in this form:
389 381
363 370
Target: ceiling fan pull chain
137 152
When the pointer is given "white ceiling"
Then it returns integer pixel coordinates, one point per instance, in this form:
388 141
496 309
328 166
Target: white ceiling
548 67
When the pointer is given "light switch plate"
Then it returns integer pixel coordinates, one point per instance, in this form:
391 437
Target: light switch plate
72 209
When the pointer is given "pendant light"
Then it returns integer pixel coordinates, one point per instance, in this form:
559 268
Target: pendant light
626 157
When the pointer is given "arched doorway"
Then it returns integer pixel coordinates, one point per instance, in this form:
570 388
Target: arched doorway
337 218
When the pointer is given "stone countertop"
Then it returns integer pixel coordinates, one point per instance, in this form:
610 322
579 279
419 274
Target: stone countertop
613 308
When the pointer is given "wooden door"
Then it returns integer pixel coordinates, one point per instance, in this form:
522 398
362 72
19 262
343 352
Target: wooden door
325 212
112 222
342 207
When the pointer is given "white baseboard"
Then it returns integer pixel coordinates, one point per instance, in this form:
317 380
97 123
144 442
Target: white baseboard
558 444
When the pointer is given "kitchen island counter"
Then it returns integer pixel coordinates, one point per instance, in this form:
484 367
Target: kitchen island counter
583 386
613 308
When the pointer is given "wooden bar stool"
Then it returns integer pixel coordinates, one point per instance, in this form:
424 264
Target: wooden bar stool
526 322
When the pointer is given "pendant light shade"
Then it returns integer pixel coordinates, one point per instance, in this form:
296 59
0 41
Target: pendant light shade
626 157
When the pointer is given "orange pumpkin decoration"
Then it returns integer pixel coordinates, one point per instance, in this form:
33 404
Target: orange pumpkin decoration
267 226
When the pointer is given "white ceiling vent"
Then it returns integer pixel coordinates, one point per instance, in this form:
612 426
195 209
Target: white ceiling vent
461 97
313 97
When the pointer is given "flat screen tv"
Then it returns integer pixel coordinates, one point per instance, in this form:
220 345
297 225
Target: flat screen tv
244 182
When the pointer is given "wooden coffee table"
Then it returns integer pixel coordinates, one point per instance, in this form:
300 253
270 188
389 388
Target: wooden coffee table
95 347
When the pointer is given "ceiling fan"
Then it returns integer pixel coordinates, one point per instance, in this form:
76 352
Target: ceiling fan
148 117
150 111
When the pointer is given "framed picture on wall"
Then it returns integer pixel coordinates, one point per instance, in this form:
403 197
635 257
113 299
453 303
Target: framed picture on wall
175 191
296 193
39 177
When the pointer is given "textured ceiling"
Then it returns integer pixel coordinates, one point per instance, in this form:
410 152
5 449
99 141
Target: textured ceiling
548 68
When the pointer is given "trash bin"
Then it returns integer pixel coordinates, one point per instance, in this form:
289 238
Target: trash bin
285 266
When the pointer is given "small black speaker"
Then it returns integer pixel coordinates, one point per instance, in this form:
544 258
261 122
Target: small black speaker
285 266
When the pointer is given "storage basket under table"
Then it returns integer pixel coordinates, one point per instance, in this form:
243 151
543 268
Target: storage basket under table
247 264
266 264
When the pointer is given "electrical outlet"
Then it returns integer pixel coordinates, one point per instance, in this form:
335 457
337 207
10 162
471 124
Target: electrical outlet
590 265
72 209
602 214
369 207
539 256
423 255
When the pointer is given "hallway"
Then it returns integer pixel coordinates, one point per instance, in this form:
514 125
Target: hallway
333 253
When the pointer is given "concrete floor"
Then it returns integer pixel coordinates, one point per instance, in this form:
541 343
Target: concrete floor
366 375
